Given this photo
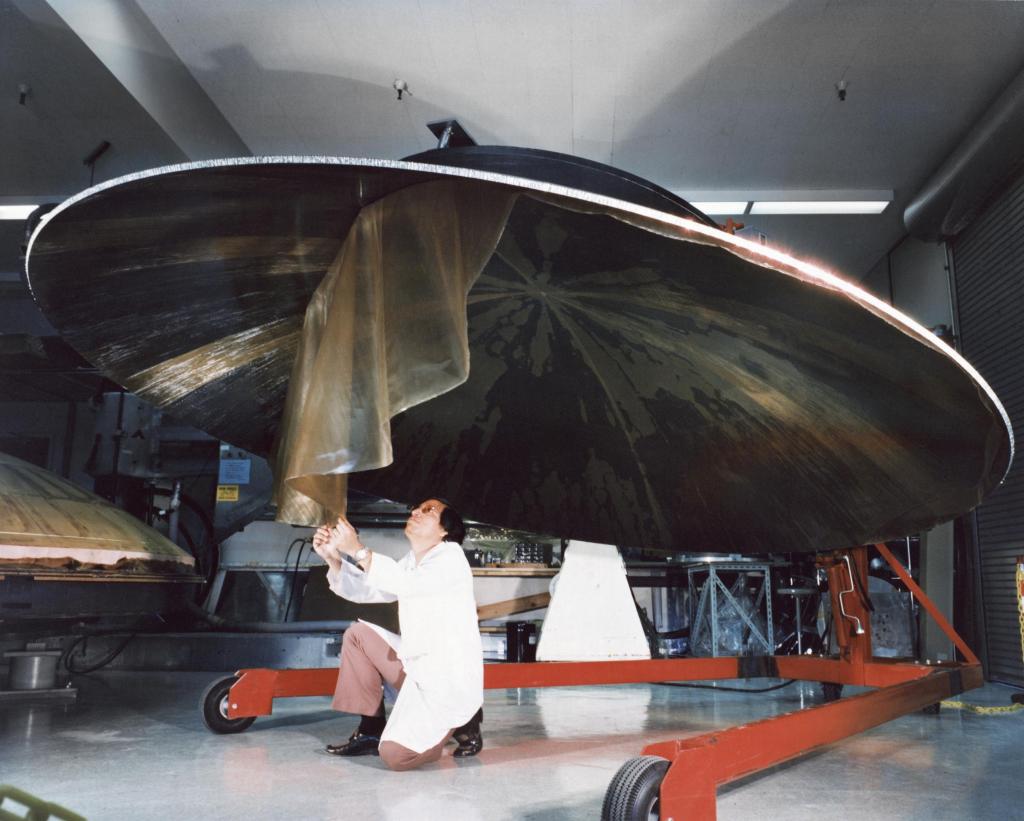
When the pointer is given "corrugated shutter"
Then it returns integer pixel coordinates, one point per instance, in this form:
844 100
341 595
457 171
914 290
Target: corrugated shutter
988 264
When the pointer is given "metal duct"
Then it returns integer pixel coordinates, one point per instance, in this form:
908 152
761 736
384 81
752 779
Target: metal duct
991 154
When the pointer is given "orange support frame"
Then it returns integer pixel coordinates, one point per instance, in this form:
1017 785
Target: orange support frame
700 764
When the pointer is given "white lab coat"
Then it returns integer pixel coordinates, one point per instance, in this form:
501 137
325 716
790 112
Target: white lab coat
440 643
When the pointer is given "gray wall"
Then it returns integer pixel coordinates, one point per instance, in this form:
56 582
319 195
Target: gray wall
55 420
877 280
914 278
920 282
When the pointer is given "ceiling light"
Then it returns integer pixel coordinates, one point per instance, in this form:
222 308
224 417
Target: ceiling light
16 212
721 207
820 207
726 201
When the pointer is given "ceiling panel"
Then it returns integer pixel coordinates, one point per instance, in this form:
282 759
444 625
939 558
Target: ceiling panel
730 94
74 104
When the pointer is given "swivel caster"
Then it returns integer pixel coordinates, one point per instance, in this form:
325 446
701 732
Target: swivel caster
214 706
633 793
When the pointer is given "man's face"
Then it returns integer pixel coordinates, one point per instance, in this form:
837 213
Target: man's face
425 521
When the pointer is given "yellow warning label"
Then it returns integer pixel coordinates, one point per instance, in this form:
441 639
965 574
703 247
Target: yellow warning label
227 493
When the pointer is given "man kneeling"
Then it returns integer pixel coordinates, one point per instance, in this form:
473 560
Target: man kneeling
436 664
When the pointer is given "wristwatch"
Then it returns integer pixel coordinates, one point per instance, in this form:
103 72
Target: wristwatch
361 554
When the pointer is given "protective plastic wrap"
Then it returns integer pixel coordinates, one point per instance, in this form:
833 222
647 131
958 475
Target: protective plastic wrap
893 622
735 638
385 330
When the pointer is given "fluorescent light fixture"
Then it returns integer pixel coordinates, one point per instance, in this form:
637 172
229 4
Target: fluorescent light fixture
728 201
16 212
721 208
820 207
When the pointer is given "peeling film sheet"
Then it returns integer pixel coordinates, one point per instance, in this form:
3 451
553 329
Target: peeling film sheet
385 330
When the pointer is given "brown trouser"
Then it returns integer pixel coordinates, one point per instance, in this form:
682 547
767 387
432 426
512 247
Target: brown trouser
366 662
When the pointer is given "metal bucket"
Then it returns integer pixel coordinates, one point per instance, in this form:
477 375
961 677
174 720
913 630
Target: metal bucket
33 669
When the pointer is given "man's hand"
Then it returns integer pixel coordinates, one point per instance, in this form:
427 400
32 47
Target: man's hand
331 543
345 538
323 547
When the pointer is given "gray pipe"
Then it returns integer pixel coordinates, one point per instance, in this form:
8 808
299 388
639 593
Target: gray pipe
267 626
992 153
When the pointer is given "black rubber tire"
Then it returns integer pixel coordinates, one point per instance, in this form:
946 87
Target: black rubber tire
213 705
932 709
830 691
633 793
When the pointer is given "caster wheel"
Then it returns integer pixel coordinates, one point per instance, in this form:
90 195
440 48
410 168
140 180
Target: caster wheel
214 706
831 691
633 792
931 709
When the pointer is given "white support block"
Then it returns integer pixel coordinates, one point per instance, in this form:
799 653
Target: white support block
592 615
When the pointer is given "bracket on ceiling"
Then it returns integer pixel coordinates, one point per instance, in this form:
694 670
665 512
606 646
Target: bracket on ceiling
450 134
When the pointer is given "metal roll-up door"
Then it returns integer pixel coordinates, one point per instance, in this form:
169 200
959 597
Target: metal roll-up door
988 264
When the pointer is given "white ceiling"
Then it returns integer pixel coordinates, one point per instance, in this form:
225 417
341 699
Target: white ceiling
697 96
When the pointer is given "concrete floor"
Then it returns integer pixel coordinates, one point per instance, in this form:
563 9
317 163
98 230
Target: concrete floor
134 747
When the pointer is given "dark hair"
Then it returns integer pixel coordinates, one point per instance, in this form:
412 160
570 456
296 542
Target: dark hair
451 520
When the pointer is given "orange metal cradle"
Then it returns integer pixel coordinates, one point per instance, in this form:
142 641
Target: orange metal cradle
676 780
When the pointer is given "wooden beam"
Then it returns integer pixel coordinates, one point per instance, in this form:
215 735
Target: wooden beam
510 606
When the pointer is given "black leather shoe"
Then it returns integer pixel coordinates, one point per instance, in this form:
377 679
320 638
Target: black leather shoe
470 743
468 736
357 744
